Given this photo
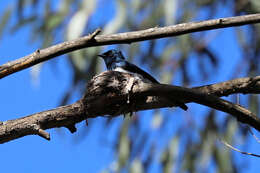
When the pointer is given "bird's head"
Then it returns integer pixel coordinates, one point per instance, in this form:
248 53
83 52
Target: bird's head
112 56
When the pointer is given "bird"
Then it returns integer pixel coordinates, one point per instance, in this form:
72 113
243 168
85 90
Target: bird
115 61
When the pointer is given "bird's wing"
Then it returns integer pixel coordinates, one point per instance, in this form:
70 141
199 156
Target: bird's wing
134 69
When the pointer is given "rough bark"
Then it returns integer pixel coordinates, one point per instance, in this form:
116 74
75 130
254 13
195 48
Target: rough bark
122 38
114 93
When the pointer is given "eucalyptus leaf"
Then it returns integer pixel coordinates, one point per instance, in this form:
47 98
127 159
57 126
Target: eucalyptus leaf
119 19
79 20
255 5
4 19
137 166
170 7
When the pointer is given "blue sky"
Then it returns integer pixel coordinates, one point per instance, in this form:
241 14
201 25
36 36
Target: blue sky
20 97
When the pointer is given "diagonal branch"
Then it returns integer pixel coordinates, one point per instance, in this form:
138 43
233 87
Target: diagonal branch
45 54
191 95
247 85
108 94
35 124
122 38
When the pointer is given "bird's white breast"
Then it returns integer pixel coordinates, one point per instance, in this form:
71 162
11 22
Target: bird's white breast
137 76
120 69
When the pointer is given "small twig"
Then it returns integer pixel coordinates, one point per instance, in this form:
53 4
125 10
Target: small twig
44 134
235 149
95 33
41 132
251 132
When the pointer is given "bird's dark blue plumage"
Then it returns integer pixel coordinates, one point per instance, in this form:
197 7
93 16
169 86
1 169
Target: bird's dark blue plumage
115 60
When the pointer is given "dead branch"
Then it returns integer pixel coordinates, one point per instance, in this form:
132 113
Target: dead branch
122 38
108 94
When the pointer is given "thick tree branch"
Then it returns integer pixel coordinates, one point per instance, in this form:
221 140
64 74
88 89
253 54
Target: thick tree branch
247 85
35 124
108 94
122 38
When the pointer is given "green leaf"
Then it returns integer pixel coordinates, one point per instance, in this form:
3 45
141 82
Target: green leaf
206 150
157 120
170 155
170 9
231 129
137 166
256 5
53 21
223 160
4 19
119 19
124 144
254 104
35 74
80 19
